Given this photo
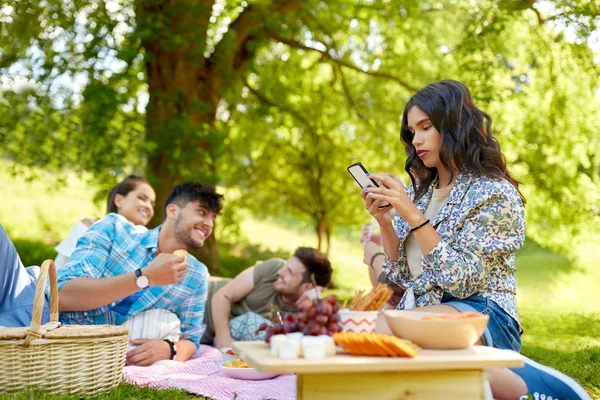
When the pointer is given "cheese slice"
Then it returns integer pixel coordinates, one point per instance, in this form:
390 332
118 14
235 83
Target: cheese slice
329 345
275 340
290 348
313 347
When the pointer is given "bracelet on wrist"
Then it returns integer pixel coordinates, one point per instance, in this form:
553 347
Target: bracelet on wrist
172 348
419 226
379 253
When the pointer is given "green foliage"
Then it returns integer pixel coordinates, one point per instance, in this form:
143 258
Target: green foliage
236 257
33 252
276 98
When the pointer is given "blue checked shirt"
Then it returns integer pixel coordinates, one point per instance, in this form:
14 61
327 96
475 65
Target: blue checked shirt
112 247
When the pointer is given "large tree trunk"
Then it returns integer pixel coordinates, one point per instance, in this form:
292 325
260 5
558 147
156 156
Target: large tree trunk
181 110
185 88
323 234
323 228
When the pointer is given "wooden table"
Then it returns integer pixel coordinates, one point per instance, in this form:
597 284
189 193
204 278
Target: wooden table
433 374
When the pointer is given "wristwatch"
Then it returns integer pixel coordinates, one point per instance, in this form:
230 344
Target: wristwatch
173 349
141 280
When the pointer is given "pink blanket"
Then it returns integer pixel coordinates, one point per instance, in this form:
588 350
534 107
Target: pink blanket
202 375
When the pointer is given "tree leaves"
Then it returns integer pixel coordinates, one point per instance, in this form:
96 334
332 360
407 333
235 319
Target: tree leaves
277 98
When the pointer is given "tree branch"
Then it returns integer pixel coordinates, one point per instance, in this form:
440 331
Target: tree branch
340 62
348 95
232 51
271 103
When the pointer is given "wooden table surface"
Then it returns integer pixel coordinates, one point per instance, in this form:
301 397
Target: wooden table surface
476 357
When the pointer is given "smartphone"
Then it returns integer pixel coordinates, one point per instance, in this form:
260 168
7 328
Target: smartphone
361 176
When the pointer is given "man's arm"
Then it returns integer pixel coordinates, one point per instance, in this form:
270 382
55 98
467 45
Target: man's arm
150 351
232 292
165 269
82 282
75 295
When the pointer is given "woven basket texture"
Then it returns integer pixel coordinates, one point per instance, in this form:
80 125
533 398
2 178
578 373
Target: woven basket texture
80 360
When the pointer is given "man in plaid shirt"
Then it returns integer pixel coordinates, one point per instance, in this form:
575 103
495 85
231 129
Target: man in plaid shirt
117 272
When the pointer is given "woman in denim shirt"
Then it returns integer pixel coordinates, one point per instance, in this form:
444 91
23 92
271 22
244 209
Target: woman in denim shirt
452 234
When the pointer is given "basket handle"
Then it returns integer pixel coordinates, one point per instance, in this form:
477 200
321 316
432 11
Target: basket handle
38 303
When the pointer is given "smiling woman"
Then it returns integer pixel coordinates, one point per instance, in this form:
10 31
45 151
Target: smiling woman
132 198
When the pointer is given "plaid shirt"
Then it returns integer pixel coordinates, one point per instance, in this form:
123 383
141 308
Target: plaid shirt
113 246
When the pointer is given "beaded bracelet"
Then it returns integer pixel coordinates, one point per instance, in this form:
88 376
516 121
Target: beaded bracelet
379 253
419 226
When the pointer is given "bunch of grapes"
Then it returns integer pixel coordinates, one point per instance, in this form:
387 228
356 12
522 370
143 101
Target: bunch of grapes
318 317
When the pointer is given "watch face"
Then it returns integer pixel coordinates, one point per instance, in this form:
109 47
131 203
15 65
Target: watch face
142 281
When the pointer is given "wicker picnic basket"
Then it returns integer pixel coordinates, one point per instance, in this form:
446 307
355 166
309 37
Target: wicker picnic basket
68 359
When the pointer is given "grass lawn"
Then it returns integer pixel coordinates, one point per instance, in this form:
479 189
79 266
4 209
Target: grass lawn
558 299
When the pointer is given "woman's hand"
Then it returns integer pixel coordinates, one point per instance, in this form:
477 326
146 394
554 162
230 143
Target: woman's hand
382 215
367 236
392 192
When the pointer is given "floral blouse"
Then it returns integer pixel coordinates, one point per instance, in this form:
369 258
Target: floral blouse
482 226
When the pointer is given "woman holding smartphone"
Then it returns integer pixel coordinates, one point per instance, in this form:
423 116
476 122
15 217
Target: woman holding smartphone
453 233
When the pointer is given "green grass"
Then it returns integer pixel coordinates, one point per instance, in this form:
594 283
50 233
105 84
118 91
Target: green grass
557 296
122 392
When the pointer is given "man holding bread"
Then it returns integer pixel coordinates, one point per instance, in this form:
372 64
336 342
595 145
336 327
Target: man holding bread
118 275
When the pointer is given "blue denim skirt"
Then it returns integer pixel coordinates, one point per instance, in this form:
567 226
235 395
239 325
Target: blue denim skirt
502 331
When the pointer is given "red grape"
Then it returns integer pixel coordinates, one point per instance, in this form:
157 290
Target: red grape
302 317
306 305
313 328
290 317
333 327
317 317
328 309
320 308
332 299
277 329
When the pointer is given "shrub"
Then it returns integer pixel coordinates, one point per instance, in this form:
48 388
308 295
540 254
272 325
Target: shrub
34 252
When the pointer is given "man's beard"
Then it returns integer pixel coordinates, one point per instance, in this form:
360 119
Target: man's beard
182 235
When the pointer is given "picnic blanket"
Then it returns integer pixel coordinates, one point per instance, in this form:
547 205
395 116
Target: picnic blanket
202 375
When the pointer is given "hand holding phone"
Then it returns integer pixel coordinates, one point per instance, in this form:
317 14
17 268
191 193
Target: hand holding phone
361 176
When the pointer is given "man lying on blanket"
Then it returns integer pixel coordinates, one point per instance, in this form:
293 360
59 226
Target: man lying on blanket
274 283
119 275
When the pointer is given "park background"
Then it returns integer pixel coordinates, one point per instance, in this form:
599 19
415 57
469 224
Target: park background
272 100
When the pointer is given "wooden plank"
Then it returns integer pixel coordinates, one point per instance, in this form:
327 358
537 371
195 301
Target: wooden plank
476 357
447 385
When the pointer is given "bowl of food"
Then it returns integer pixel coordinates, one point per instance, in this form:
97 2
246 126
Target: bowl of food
239 369
437 331
227 354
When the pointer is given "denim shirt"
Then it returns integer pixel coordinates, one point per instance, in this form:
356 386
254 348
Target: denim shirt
482 225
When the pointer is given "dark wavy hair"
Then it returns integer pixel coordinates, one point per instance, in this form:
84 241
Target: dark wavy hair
123 188
467 141
317 266
192 191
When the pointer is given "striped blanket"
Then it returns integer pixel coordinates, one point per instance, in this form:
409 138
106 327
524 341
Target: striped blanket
202 375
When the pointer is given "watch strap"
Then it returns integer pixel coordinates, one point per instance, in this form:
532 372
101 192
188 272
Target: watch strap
138 272
172 346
